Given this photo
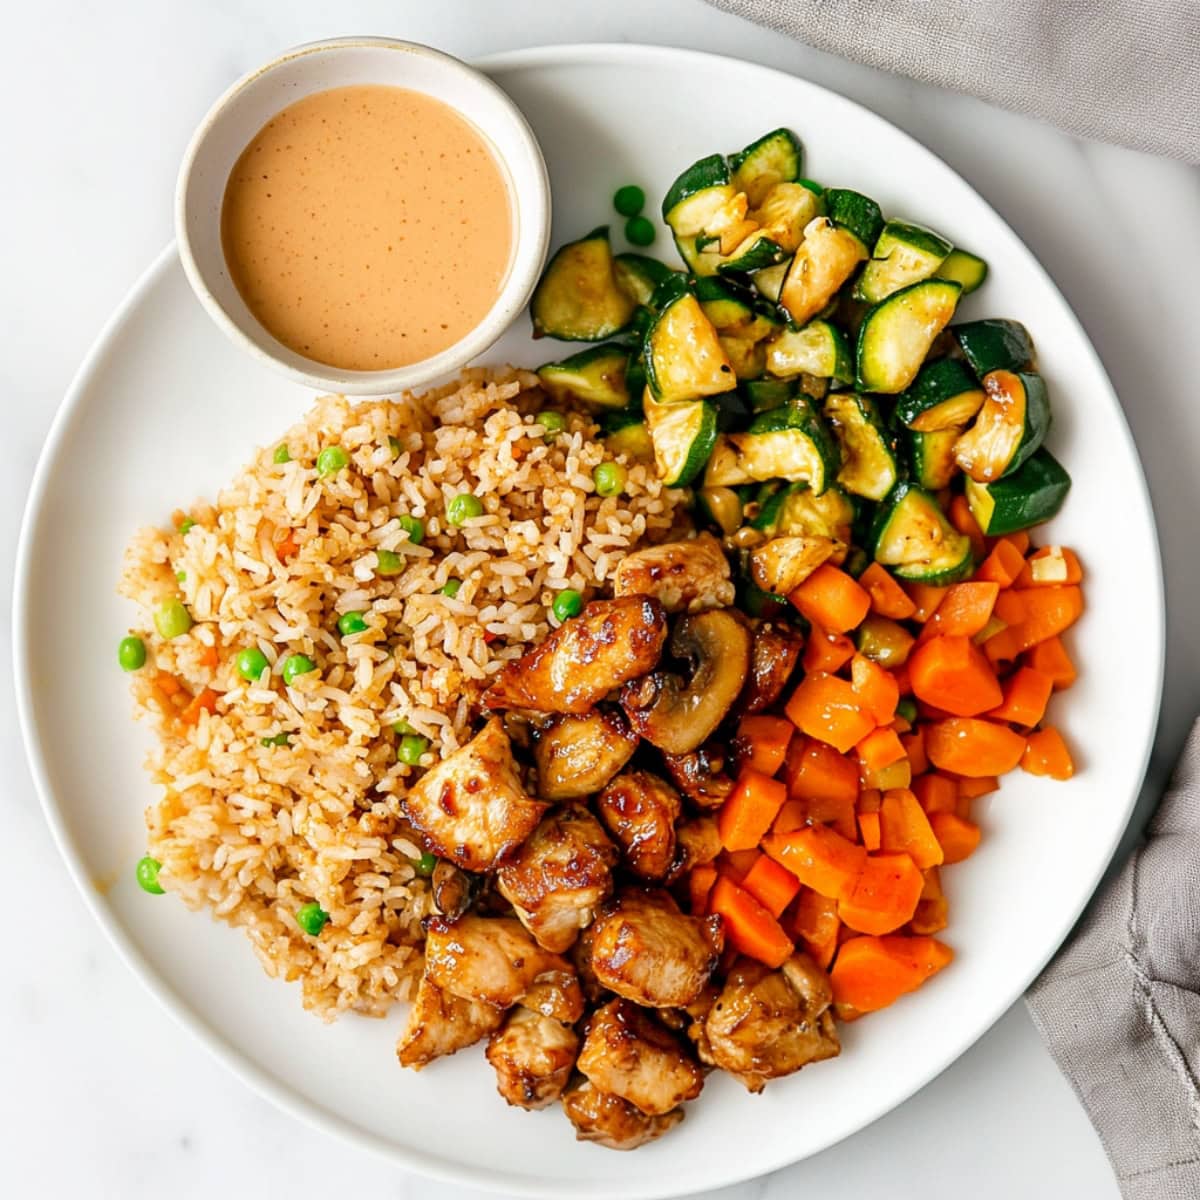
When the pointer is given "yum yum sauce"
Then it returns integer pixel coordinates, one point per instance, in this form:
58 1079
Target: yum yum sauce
367 227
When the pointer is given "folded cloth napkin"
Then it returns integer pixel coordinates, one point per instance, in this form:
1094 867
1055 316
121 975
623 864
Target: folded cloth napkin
1120 1005
1125 71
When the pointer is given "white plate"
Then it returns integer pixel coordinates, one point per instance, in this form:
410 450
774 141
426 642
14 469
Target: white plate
165 409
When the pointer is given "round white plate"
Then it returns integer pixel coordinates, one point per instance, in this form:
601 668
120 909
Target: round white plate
165 409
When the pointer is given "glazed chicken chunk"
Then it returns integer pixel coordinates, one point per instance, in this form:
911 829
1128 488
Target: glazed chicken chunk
532 1056
639 810
577 755
645 949
440 1023
471 807
766 1023
610 1121
688 575
556 880
495 961
773 658
627 1053
700 776
608 644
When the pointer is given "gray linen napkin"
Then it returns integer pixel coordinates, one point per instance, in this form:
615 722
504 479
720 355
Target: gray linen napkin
1125 71
1119 1007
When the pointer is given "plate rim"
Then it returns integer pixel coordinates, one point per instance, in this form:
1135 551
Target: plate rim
282 1095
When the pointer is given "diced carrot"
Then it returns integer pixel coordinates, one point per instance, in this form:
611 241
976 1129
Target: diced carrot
973 747
898 774
963 519
793 815
1020 539
210 658
1051 658
981 785
936 793
749 809
818 772
888 598
205 701
1048 611
933 883
879 749
875 688
773 886
958 838
1011 607
914 747
748 925
884 896
167 683
830 710
1004 565
1046 754
872 972
762 742
965 609
819 857
905 829
932 916
900 725
1049 567
900 675
926 597
870 830
869 800
828 652
1026 694
700 883
816 924
736 864
832 599
952 674
287 548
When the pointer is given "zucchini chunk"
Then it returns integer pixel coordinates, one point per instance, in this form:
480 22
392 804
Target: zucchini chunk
747 357
824 261
776 157
857 213
931 457
912 538
706 214
769 281
733 310
684 356
961 266
817 349
996 345
784 212
868 463
577 298
790 443
722 507
793 509
903 254
1011 425
764 394
625 432
897 333
944 395
595 377
638 275
1032 495
683 436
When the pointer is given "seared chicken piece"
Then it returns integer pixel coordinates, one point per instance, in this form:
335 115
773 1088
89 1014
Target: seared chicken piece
640 812
629 1054
687 575
558 877
610 1121
781 565
577 756
609 643
770 1023
773 658
556 995
697 843
532 1056
493 959
645 949
471 807
440 1024
700 776
581 959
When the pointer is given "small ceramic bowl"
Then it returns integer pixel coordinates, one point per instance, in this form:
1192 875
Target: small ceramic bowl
247 106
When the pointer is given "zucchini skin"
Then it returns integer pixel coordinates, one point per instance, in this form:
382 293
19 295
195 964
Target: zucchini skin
855 212
912 312
931 457
935 384
1000 386
1019 501
558 307
597 376
996 344
956 564
961 266
710 171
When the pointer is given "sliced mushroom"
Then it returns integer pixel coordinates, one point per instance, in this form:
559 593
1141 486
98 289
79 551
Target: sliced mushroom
776 651
784 563
453 889
676 715
577 755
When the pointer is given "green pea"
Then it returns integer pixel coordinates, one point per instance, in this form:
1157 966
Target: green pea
568 603
395 447
402 727
414 528
277 739
609 478
312 918
282 454
629 200
186 524
131 654
172 619
388 562
426 863
331 460
639 231
181 576
351 623
296 664
412 746
907 708
552 422
464 507
451 588
251 663
146 873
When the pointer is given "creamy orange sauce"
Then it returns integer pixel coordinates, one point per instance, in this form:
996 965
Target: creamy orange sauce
368 227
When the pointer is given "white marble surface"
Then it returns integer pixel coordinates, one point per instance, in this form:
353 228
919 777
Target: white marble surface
100 1094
